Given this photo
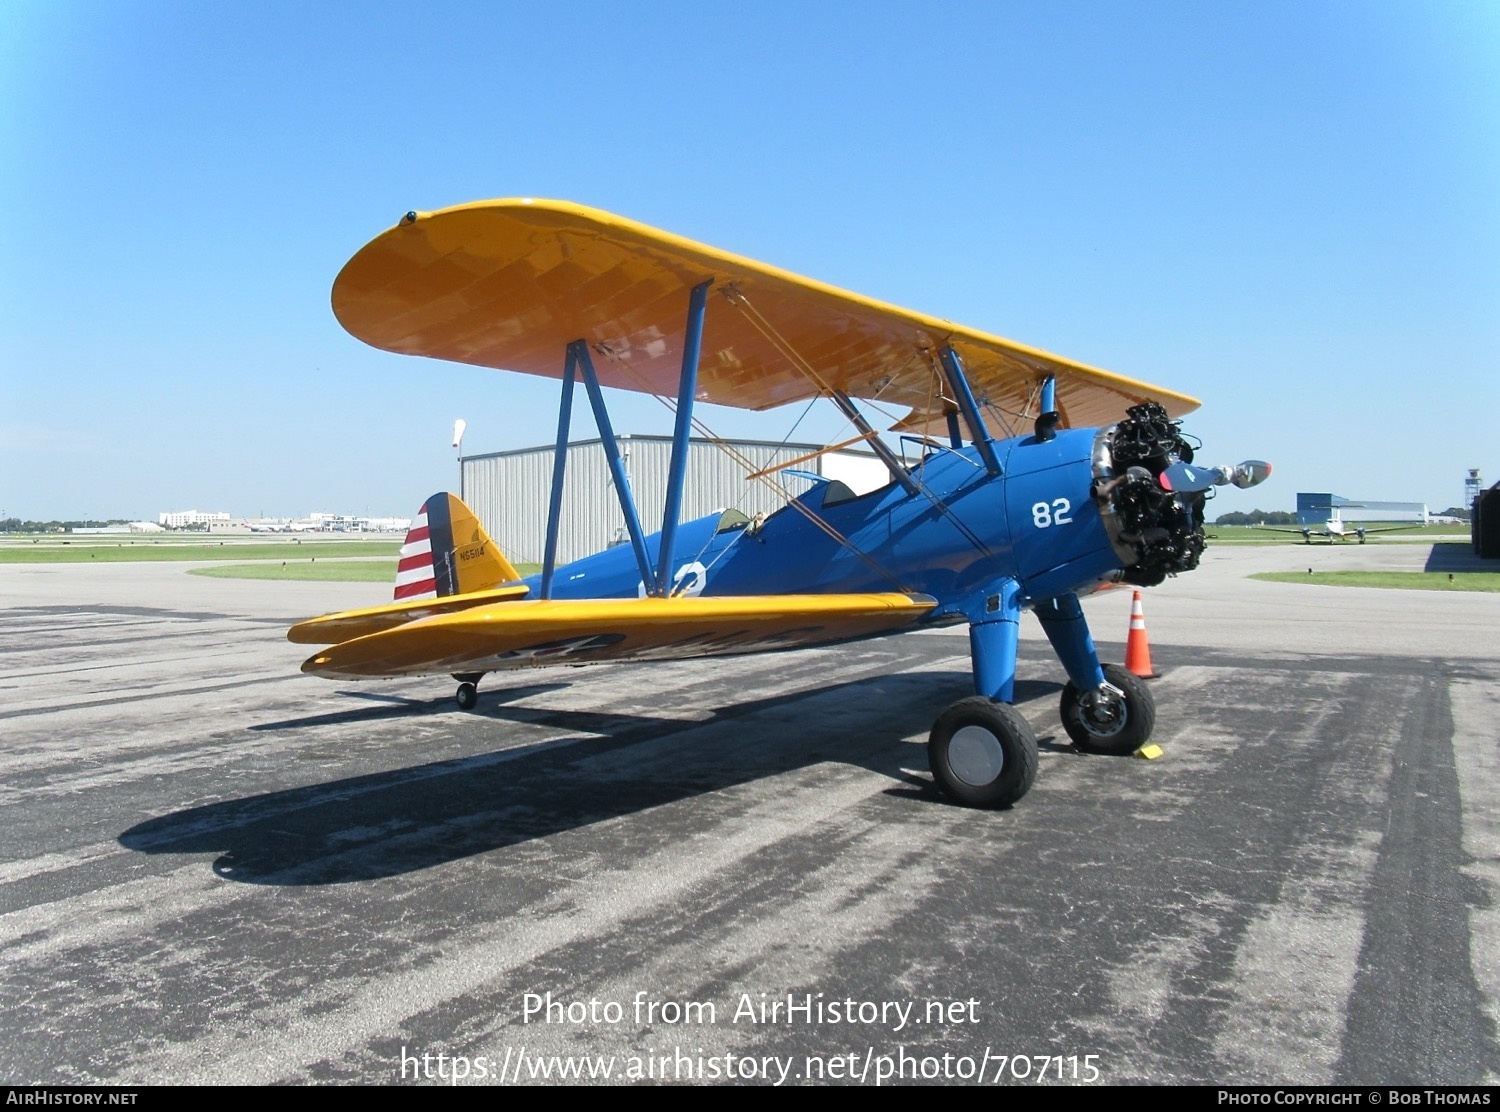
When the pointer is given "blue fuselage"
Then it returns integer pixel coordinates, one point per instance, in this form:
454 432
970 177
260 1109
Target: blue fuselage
964 531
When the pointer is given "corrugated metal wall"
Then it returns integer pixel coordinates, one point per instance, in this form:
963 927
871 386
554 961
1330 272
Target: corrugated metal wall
509 490
1317 508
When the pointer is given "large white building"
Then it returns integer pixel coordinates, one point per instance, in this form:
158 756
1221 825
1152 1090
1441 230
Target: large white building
178 518
509 491
353 523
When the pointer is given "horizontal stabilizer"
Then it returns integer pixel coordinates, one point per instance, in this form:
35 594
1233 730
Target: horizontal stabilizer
330 629
538 632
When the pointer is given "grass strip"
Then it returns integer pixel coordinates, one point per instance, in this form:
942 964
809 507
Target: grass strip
1402 580
325 571
144 551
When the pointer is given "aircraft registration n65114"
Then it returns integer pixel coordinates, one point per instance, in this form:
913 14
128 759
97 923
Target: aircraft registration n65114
1040 479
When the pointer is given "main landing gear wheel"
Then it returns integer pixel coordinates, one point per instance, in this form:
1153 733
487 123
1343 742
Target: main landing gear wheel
982 753
1112 725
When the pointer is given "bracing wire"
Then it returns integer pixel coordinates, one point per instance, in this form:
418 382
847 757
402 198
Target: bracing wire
773 483
738 299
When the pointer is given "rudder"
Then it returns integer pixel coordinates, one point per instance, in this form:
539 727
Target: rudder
447 552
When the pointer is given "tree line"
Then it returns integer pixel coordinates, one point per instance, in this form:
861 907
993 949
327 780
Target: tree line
1257 517
16 525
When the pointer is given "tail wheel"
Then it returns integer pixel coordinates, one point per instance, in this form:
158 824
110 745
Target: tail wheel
467 696
982 753
1102 722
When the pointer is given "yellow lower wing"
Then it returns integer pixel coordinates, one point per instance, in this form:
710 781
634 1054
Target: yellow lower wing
330 629
534 633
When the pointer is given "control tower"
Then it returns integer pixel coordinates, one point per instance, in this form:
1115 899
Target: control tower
1473 485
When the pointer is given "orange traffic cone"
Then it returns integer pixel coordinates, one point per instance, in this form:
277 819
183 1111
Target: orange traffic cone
1137 646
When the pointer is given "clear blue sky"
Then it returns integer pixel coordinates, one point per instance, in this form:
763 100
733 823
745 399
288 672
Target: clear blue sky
1290 210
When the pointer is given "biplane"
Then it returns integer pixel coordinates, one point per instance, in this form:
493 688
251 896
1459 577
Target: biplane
1039 479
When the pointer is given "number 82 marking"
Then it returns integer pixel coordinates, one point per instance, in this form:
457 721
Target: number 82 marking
1044 515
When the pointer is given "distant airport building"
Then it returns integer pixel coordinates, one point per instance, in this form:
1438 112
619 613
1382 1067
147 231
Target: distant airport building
352 523
1316 509
510 490
177 519
125 527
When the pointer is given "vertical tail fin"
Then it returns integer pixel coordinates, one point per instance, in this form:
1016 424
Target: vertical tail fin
447 552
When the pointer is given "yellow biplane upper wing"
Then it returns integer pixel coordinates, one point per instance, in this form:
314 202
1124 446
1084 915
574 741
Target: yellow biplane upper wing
508 284
531 633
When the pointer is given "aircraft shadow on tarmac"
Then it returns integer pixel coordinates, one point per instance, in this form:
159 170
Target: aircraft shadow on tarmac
398 706
391 823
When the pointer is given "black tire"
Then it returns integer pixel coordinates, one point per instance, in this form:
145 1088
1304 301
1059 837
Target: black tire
467 696
982 753
1122 728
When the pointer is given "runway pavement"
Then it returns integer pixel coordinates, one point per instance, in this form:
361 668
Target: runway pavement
213 868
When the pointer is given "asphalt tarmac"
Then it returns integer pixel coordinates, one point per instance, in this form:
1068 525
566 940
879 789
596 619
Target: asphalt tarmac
215 869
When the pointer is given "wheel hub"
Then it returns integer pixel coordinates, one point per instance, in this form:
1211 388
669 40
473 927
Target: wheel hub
975 755
1103 715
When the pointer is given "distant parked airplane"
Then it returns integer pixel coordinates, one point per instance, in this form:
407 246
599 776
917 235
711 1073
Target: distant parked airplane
1336 529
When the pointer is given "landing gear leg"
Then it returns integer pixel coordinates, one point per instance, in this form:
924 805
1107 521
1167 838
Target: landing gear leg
982 751
467 696
1104 709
